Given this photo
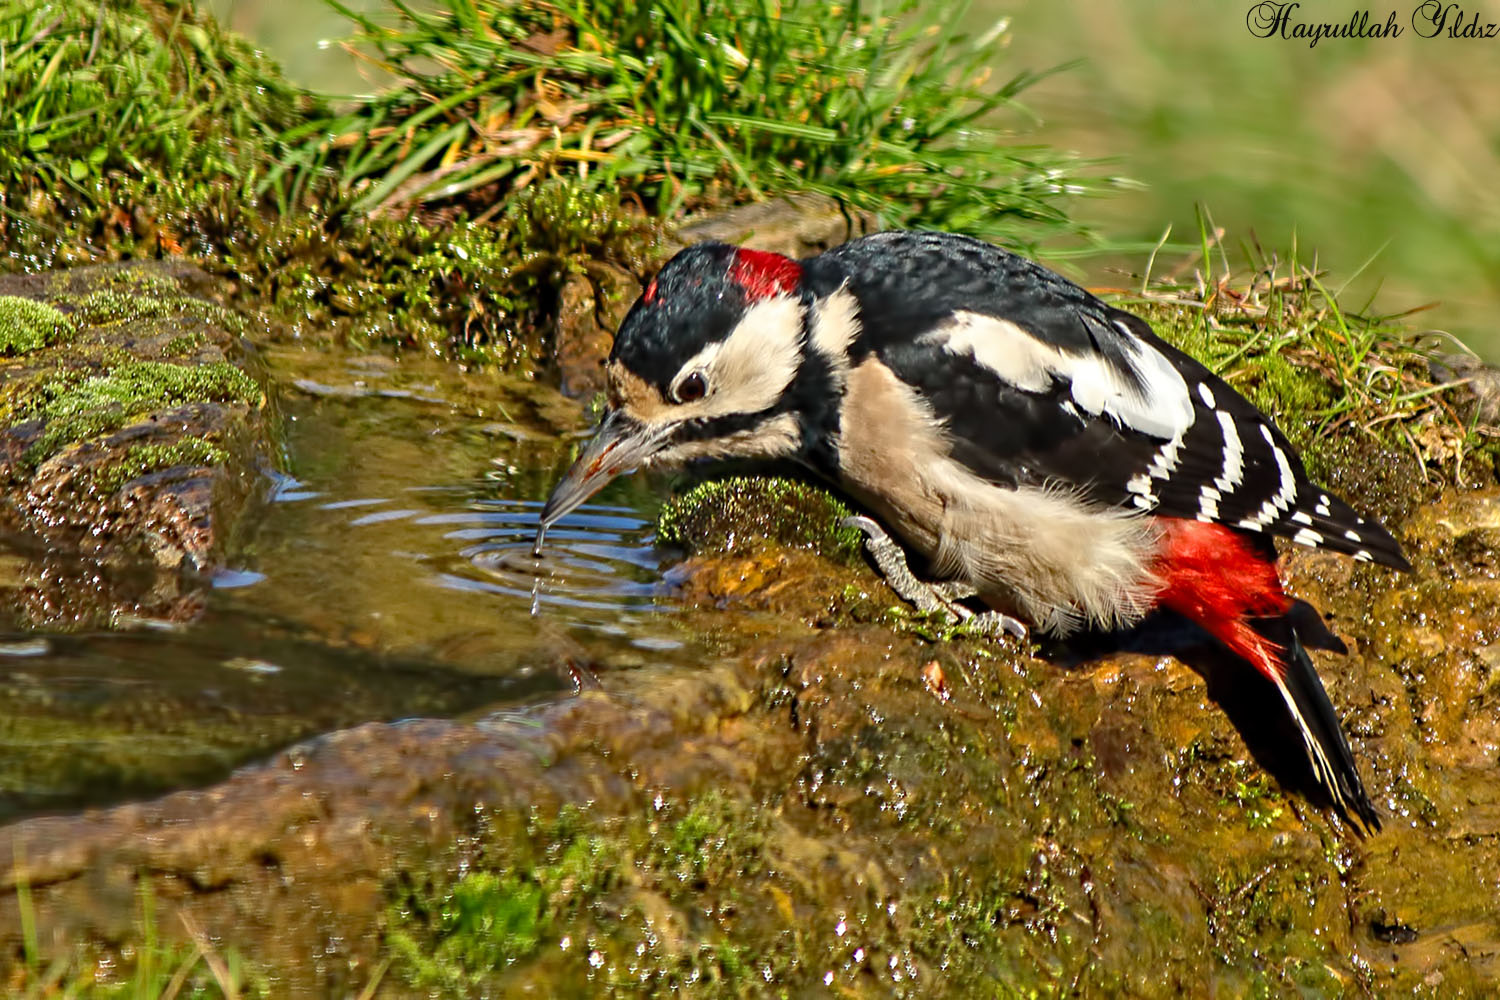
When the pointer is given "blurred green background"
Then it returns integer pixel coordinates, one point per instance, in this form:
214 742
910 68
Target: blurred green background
1353 148
1380 156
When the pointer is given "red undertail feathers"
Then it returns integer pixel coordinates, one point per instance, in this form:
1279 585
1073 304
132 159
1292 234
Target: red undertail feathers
1216 577
1213 576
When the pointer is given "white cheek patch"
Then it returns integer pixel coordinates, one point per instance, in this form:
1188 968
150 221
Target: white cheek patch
1161 407
748 370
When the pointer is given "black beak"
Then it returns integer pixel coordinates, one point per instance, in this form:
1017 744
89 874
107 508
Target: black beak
620 445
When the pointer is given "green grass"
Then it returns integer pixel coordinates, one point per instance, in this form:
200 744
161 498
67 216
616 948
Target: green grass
1272 328
889 108
149 969
115 117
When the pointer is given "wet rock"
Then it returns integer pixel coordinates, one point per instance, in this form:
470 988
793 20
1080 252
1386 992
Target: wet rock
828 802
320 823
585 331
1023 826
130 442
796 226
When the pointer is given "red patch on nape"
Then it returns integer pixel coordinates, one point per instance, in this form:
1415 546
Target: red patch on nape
763 274
1213 576
650 294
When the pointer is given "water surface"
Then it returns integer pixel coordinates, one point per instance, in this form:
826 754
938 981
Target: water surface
386 574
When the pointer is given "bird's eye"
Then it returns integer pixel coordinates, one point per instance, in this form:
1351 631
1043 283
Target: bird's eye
692 388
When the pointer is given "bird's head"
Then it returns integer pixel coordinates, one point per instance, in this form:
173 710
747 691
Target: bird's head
701 368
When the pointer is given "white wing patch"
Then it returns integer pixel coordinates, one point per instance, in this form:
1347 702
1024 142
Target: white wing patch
1141 486
1208 503
1162 407
1288 490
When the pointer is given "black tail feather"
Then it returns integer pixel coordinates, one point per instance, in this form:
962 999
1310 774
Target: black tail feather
1311 630
1327 749
1317 760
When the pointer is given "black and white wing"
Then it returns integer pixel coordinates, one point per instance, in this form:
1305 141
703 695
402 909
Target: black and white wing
1039 382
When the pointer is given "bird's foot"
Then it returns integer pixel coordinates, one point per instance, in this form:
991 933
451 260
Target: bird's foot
945 596
994 623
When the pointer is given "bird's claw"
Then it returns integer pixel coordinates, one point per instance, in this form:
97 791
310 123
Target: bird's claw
944 596
993 623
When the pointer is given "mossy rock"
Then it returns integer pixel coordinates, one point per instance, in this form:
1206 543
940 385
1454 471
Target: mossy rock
130 430
74 409
735 516
27 325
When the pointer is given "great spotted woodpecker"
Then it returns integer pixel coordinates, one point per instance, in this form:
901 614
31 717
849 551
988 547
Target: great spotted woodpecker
1039 448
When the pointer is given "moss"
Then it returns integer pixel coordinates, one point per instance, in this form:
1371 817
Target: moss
484 293
455 932
27 325
141 459
74 408
181 346
710 842
485 921
734 515
1263 805
130 305
559 883
569 223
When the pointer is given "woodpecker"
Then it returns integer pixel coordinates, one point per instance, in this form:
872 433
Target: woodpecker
1040 449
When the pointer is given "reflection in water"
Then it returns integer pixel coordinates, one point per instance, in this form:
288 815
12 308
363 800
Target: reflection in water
95 718
390 576
599 560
